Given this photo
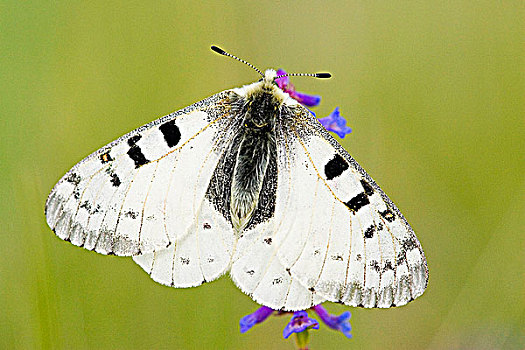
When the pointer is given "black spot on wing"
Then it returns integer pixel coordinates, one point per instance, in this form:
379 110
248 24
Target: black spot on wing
105 157
335 167
277 280
115 181
131 214
86 205
133 140
375 265
388 266
96 209
73 178
171 133
401 258
359 201
366 186
409 244
369 232
388 215
136 155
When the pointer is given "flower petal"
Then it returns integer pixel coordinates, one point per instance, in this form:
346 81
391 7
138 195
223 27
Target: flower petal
335 123
299 322
339 323
258 316
285 85
283 82
306 99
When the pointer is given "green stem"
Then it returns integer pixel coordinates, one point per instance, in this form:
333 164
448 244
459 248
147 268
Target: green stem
301 340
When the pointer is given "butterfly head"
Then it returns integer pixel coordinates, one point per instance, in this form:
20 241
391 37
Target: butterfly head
269 76
266 89
269 87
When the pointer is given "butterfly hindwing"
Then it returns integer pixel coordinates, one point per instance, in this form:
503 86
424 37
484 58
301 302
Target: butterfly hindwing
258 272
199 257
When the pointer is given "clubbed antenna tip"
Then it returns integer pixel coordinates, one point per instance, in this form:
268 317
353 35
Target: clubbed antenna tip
314 75
222 52
323 75
218 50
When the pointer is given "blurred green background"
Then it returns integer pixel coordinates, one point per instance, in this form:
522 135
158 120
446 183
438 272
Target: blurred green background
435 94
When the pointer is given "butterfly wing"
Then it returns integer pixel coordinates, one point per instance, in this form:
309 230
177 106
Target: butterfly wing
356 247
257 269
334 230
142 195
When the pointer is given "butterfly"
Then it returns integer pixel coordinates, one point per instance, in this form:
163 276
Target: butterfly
248 182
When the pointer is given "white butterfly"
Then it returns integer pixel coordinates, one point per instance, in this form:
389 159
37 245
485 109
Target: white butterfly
245 181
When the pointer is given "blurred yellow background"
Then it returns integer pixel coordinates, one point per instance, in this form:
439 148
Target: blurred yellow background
435 94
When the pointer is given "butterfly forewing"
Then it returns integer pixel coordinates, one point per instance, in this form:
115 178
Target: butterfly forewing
349 243
142 191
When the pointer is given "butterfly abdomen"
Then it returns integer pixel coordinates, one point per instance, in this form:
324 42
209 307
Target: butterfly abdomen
256 151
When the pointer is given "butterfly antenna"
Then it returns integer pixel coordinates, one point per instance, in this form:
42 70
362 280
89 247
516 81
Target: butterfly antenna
315 75
222 52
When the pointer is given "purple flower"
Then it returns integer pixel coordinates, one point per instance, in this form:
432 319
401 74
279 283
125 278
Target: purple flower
335 123
305 99
299 323
258 316
339 323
